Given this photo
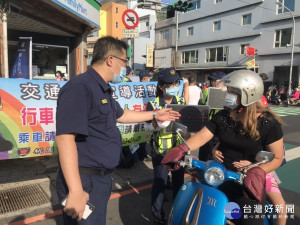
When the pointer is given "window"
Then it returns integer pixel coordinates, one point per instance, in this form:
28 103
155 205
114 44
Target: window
283 37
246 19
217 25
189 57
242 52
41 54
117 24
147 23
164 35
287 3
216 54
117 10
178 34
218 1
196 5
190 31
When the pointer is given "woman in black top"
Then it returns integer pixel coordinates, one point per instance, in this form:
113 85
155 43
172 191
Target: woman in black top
244 129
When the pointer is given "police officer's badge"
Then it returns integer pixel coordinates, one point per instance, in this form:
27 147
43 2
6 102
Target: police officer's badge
172 72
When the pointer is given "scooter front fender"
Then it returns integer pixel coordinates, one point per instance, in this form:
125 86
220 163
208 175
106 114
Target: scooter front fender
197 204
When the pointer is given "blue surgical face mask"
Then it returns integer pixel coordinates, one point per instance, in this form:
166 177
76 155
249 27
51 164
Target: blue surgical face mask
230 100
172 91
118 78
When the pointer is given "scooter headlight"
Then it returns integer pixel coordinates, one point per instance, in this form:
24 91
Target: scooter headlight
214 176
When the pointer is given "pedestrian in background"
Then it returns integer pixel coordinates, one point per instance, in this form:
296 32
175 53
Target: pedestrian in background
194 92
59 76
205 86
144 76
295 96
129 73
88 140
167 93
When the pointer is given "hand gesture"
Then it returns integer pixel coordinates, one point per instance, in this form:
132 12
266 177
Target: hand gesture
241 164
167 115
217 155
185 81
75 204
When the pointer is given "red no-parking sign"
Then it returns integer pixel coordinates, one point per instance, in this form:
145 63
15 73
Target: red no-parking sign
130 19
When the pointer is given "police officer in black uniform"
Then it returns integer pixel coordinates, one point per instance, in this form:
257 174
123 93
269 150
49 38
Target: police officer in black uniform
129 73
88 140
144 76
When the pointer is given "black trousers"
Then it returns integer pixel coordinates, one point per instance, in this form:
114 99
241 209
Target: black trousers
160 183
99 189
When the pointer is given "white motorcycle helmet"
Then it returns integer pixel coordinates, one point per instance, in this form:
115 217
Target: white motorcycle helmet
246 83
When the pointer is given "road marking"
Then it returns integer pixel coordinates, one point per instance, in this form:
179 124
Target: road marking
37 218
292 154
130 191
286 111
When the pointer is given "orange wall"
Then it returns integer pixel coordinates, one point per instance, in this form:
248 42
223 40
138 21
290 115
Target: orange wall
112 17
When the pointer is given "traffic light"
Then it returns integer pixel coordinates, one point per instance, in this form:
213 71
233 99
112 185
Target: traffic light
186 6
129 51
180 6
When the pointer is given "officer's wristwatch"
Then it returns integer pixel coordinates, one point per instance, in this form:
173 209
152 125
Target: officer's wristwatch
154 115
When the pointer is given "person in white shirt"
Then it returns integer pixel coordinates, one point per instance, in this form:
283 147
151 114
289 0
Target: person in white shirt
194 92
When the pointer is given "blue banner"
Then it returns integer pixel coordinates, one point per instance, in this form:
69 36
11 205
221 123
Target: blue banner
28 108
22 63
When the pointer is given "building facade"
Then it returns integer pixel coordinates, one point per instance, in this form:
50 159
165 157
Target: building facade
58 31
146 39
112 24
214 35
146 36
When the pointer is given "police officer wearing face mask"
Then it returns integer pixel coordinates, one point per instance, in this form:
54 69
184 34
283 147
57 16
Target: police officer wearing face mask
129 72
88 140
161 143
144 76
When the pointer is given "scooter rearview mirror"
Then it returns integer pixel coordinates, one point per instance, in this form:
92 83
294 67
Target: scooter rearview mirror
178 127
264 155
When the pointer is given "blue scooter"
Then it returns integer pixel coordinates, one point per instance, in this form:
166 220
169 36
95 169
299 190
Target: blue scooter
202 203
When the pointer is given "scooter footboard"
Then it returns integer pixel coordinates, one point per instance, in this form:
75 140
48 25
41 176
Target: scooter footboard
196 204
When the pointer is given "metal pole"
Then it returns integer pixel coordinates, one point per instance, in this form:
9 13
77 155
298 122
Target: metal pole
176 40
5 51
292 53
129 39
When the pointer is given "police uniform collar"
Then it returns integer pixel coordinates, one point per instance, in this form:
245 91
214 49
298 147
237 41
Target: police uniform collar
99 79
163 103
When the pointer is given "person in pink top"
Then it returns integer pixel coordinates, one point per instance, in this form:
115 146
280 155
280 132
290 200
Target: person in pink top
295 96
59 76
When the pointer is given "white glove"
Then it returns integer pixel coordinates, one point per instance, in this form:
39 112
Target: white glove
149 127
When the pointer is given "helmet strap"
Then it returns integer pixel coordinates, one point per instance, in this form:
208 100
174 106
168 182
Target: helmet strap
240 109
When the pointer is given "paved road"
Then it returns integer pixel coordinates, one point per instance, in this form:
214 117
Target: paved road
130 201
286 111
